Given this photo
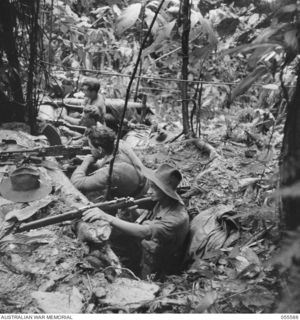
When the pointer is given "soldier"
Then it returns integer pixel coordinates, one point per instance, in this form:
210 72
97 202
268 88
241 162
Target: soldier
164 232
94 109
127 178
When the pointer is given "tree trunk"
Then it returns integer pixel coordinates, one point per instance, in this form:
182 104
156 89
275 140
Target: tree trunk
290 160
8 43
186 26
31 107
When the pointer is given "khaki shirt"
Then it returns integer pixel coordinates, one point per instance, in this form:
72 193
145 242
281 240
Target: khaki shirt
127 179
169 227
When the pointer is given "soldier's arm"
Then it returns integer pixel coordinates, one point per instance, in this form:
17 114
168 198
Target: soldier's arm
72 120
130 228
100 104
83 182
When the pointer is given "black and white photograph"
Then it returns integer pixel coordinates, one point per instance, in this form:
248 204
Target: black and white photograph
149 159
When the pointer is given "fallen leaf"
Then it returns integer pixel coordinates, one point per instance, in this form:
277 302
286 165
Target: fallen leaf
129 292
206 301
258 297
56 302
29 211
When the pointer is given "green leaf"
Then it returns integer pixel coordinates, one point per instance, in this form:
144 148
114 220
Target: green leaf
128 17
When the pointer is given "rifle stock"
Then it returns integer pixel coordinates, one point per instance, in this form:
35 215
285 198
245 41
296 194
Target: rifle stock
108 206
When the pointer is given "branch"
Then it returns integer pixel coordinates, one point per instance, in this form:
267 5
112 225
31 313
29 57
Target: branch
186 25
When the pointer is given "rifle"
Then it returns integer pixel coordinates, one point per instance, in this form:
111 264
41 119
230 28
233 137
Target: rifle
42 152
107 206
57 123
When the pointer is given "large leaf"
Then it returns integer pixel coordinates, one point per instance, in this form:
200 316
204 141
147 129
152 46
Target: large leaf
246 83
291 39
153 5
128 17
195 18
212 38
286 9
249 47
149 14
258 55
207 301
201 52
272 33
259 297
72 15
164 33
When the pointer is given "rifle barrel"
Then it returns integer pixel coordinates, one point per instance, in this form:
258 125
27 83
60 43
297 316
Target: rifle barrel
48 151
77 213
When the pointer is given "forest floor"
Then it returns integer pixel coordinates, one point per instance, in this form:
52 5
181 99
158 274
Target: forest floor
236 174
231 175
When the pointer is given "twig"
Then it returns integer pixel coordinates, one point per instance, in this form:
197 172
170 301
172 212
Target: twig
198 114
113 308
90 284
175 138
141 62
255 243
257 235
3 270
109 181
235 294
123 269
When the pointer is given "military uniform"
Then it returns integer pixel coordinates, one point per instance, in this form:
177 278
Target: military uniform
162 252
127 179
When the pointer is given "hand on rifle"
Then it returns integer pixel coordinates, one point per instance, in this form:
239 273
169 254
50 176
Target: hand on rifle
91 109
61 122
96 214
89 160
